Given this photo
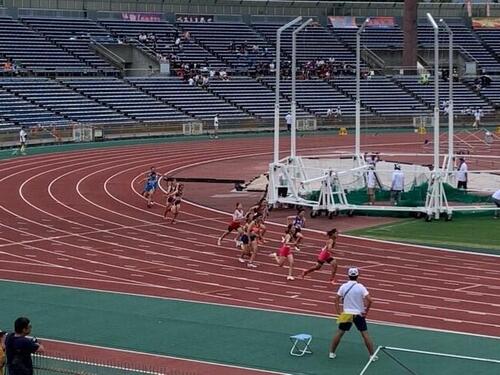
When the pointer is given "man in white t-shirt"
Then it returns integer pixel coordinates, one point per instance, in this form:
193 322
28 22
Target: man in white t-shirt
397 184
496 200
23 138
216 126
462 174
356 304
371 183
288 119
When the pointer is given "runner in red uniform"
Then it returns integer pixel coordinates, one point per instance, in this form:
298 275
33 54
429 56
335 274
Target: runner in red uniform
326 256
236 222
285 252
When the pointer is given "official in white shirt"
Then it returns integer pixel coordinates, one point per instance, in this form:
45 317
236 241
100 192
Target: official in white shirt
496 200
288 119
462 174
356 303
216 126
371 183
23 139
397 184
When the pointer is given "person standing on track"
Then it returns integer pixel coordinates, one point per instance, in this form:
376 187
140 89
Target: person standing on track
356 304
371 184
216 126
19 347
325 255
237 220
462 174
397 184
496 199
23 142
285 252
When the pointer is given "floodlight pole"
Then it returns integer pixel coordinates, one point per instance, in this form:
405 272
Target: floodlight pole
451 129
293 135
277 89
357 150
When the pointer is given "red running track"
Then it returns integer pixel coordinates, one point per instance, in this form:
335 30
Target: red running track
77 219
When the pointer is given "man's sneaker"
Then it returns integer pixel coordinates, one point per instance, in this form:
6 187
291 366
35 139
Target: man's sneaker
374 358
251 265
241 260
297 248
218 242
332 355
291 278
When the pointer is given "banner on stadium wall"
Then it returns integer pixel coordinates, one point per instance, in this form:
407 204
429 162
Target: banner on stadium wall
141 16
486 23
381 22
194 18
343 22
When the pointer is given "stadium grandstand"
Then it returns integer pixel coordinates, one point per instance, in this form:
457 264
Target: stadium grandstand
156 66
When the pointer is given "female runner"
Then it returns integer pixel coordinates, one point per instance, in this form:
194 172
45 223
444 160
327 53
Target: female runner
325 255
235 224
285 251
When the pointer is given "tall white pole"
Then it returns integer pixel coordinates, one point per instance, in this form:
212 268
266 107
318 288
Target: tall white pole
277 89
451 129
357 148
436 91
293 135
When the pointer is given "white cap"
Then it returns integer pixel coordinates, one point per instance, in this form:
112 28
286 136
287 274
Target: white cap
353 271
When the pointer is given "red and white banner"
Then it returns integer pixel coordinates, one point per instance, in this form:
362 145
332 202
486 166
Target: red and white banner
341 22
486 23
141 16
381 22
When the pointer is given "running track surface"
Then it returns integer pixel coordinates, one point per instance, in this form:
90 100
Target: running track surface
77 219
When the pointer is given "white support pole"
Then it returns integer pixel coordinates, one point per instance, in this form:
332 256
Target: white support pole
436 91
451 130
293 133
357 150
277 88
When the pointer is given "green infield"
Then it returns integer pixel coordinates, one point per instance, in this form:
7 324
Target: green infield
480 234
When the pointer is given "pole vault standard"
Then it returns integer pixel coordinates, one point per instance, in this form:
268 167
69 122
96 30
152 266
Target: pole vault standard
277 88
451 131
357 148
293 133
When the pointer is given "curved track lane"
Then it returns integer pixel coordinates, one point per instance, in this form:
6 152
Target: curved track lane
77 219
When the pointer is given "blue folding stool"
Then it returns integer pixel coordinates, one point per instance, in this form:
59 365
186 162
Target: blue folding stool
301 344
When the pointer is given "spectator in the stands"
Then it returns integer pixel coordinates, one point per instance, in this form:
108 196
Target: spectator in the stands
7 66
191 81
223 75
205 82
143 37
